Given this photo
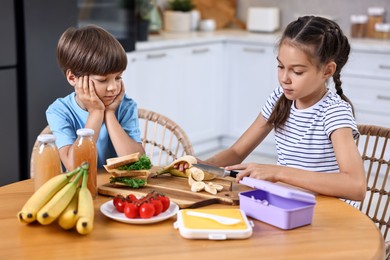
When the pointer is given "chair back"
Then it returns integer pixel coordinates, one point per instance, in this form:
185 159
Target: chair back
373 145
163 140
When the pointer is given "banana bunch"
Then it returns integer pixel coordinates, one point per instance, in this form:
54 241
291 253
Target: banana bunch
61 199
190 160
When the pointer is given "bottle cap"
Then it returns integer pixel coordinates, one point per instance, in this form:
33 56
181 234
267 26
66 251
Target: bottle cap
359 18
85 132
376 11
46 138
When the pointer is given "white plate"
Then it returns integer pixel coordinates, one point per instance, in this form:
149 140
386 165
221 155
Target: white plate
109 210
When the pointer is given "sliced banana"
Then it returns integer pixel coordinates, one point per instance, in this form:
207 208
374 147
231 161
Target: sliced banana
210 189
196 173
218 187
198 186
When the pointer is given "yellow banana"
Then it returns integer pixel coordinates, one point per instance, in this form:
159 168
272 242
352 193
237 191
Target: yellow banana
56 205
85 209
30 209
69 217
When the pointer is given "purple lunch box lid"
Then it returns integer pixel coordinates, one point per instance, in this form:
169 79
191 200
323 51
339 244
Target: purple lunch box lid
279 190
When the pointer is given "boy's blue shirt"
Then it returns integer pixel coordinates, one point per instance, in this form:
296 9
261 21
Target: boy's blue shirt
65 116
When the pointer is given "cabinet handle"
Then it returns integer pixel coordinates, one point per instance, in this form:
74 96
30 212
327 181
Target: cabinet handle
198 51
381 97
156 56
384 67
248 49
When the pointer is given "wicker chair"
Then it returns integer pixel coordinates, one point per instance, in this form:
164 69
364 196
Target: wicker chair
373 143
162 139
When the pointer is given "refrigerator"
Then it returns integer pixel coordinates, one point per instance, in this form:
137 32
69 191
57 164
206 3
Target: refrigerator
30 77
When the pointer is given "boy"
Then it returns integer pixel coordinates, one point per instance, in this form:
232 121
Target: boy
93 61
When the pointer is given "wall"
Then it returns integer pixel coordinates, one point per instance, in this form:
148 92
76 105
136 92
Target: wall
341 10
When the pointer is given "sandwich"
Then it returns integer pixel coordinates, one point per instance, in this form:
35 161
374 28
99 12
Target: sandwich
130 170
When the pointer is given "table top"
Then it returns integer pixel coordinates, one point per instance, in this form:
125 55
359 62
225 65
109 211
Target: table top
338 231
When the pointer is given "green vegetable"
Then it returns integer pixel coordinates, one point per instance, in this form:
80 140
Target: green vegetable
133 183
143 163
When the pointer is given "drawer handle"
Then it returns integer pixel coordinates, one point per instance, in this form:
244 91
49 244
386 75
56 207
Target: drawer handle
384 67
381 97
247 49
156 56
198 51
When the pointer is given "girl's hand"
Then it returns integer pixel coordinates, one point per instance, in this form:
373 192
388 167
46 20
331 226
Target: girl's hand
181 166
265 172
86 95
117 101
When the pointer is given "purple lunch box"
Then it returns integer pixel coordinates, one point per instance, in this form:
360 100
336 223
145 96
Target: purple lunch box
278 205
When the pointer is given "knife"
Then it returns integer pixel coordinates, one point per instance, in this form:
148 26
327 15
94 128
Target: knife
221 172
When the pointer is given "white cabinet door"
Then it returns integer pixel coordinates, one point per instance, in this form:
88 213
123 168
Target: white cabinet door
252 74
199 92
183 84
151 80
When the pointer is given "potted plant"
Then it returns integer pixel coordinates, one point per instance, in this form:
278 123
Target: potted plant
177 17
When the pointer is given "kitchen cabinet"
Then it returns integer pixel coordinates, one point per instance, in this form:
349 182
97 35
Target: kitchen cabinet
183 84
366 82
252 76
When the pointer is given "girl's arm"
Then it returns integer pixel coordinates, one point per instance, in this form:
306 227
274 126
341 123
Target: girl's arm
348 183
251 138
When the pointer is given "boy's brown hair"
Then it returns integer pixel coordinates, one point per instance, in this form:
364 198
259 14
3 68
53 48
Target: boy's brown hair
90 50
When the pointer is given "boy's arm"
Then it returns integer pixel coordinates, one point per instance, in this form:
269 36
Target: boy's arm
121 141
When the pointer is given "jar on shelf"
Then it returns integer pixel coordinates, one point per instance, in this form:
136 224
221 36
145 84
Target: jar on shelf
382 31
84 150
375 15
46 162
359 25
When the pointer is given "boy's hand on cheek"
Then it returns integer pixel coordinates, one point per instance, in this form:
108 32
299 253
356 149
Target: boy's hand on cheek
85 90
115 104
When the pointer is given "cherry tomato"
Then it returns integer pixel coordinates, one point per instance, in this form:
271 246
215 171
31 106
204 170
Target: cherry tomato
158 206
146 210
117 198
131 198
120 205
165 202
131 210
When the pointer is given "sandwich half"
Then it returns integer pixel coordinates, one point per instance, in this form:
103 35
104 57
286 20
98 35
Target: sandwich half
130 170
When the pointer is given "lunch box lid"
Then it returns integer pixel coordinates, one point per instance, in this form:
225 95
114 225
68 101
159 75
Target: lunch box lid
192 227
282 191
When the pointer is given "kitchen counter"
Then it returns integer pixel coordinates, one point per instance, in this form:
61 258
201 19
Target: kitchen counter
174 40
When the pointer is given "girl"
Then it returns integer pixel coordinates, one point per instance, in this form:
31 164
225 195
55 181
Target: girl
93 61
314 127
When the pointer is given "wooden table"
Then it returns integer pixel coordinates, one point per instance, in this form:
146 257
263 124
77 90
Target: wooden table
338 231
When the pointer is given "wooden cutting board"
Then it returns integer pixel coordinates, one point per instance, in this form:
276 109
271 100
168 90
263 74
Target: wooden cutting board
222 11
178 190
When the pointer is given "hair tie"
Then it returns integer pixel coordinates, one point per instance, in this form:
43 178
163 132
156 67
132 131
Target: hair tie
339 92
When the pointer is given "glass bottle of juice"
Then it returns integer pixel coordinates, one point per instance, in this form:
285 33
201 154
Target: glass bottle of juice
46 161
84 150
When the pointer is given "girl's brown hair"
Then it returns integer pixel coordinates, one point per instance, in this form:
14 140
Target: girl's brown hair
323 41
90 50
